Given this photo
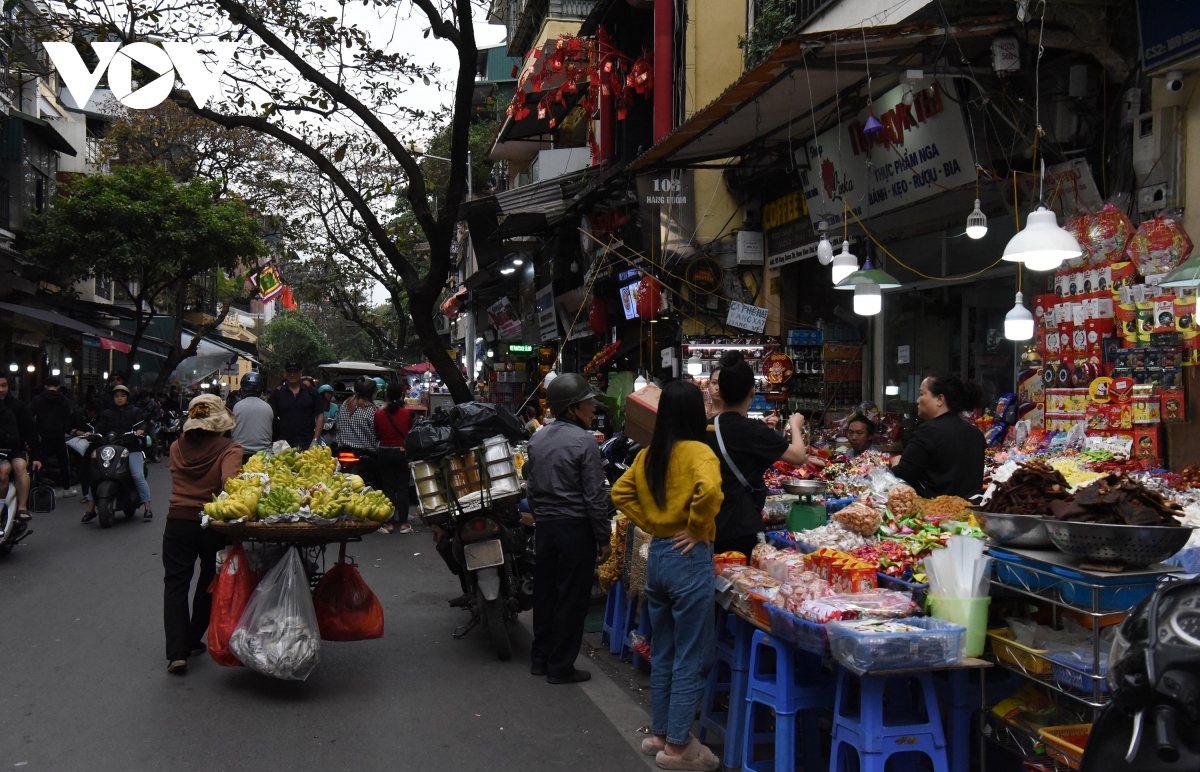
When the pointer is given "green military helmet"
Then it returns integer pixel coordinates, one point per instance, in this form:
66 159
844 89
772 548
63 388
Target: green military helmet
566 390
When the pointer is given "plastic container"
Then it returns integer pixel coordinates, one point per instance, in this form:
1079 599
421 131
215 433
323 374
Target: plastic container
1010 570
1075 673
1119 594
935 643
801 633
915 590
971 613
1029 660
1066 743
500 467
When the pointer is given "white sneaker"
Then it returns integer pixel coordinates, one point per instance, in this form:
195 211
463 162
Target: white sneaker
69 493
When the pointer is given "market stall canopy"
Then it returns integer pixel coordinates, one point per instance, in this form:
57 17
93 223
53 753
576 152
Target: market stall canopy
50 317
419 368
211 345
770 105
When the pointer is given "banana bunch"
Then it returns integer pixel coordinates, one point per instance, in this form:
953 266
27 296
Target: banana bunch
280 501
356 482
326 503
257 463
317 458
369 506
244 503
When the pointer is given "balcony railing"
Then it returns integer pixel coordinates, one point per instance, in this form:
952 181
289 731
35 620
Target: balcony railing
524 18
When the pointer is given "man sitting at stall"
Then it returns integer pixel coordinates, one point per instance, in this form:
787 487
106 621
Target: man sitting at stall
860 433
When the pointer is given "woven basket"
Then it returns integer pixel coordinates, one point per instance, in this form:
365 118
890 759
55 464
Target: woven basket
294 532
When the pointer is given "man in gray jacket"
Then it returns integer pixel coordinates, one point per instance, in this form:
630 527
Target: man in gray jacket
570 504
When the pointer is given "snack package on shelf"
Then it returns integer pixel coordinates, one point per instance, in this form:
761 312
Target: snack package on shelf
869 604
1159 245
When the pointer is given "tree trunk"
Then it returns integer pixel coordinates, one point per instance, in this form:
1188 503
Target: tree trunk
435 348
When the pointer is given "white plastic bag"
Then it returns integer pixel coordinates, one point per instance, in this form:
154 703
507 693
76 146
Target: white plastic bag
278 634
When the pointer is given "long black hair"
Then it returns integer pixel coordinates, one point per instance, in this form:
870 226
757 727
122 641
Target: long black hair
680 417
959 396
395 395
737 379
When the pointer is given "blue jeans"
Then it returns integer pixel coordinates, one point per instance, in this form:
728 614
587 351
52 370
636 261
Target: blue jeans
679 593
137 470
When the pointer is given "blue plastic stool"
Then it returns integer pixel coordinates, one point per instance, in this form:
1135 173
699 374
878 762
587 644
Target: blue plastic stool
615 610
891 717
794 687
727 676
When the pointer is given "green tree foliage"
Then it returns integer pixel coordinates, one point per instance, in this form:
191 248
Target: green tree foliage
773 21
294 337
149 234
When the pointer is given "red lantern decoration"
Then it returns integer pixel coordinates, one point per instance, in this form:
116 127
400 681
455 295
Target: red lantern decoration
598 317
649 297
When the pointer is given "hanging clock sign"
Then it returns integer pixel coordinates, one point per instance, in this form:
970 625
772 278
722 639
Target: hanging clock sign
777 368
705 275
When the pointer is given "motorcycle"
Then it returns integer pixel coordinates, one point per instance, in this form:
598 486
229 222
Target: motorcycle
618 454
494 550
12 530
1153 721
169 429
112 482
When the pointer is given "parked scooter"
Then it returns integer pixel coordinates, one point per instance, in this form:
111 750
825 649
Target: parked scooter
1153 721
112 482
494 550
12 530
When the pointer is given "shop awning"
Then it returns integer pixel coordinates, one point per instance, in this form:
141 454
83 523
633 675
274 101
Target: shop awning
215 345
50 317
46 131
770 105
112 344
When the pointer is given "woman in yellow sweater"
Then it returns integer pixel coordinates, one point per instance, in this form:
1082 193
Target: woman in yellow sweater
673 492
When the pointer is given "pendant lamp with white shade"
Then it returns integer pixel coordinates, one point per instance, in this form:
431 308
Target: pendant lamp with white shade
844 264
868 285
1042 245
1018 323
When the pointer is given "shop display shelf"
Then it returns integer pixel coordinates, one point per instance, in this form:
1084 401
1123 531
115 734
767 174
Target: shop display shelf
1093 700
1020 742
1049 576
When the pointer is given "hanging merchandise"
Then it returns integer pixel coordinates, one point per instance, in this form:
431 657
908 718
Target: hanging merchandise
1107 236
1077 226
598 316
1158 245
649 297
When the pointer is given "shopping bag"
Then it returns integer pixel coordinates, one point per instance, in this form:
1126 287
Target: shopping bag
41 495
231 590
347 609
277 634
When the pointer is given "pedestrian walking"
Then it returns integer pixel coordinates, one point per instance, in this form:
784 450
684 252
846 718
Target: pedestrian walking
673 492
392 425
201 461
299 412
119 420
570 506
255 418
26 457
356 429
52 415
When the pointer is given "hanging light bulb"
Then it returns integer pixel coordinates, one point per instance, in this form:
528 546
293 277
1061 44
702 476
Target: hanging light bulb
13 367
694 365
67 360
1042 245
30 368
824 247
640 382
137 366
844 264
891 390
103 375
1018 323
56 371
908 94
868 300
490 353
977 223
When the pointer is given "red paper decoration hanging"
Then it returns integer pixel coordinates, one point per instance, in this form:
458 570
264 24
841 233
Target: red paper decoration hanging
598 317
649 297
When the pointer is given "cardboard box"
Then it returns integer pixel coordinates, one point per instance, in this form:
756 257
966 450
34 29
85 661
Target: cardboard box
1030 387
1043 310
1173 407
1057 400
641 412
1147 445
1146 409
1097 417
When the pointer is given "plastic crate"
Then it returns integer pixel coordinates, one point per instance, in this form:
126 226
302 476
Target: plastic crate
783 540
1076 674
1010 570
837 505
1066 743
915 590
801 633
1030 660
936 643
1119 593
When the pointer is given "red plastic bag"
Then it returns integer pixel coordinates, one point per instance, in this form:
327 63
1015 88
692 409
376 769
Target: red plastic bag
347 609
231 590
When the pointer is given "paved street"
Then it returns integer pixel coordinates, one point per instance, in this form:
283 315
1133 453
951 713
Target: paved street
85 683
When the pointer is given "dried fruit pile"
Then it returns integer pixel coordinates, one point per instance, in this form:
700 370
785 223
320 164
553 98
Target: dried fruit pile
1116 500
1189 478
1029 491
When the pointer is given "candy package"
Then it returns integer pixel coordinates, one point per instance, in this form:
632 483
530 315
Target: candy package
1108 234
1077 226
1158 246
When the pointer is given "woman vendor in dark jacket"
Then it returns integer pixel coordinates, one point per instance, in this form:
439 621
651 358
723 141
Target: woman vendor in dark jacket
945 455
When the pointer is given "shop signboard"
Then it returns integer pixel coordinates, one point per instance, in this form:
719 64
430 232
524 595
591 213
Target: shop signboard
923 149
705 275
1170 30
788 231
546 315
746 317
505 318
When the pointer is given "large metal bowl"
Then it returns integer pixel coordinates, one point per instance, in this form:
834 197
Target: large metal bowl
1130 545
805 487
1028 531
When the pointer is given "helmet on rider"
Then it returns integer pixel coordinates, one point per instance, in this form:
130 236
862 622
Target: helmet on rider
566 390
325 388
252 383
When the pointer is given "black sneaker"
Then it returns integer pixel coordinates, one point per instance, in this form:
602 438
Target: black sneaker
462 601
537 668
147 515
88 517
575 677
